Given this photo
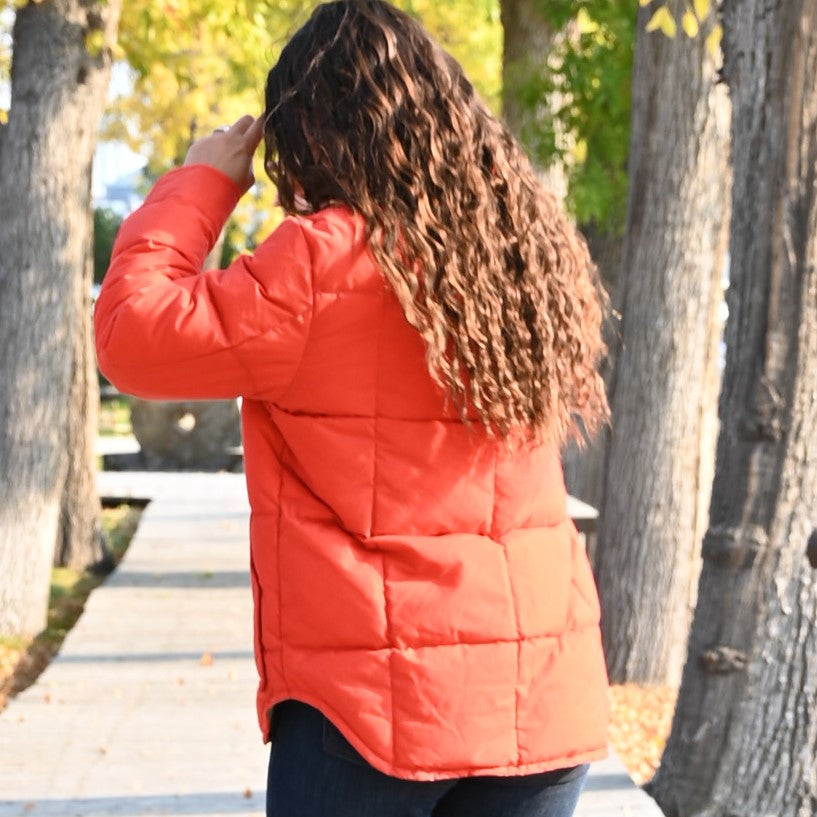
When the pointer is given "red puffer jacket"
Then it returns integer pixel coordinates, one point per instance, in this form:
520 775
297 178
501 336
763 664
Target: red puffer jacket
414 580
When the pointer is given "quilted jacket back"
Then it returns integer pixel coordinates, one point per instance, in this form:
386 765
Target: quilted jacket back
415 580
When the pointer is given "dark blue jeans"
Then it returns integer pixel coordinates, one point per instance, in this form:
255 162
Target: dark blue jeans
315 772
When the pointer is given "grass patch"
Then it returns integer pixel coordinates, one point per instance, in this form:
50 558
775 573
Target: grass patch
119 524
114 417
13 642
22 660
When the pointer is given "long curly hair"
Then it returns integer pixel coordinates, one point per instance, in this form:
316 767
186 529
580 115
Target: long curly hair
364 109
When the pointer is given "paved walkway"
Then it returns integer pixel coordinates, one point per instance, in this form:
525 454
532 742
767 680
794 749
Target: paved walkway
149 707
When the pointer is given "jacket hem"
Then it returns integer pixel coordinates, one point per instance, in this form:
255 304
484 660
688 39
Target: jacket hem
588 755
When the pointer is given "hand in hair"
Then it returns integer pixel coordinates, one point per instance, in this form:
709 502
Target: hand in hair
230 150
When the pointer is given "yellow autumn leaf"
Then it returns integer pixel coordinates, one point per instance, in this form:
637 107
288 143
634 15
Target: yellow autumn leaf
701 9
117 52
664 21
95 42
579 151
713 41
690 24
586 24
643 3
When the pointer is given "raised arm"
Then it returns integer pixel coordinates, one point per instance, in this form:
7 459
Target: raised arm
166 329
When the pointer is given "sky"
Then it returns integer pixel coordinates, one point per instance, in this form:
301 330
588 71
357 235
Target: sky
114 159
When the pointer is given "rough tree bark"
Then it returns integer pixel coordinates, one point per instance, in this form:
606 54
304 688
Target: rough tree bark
665 384
57 95
744 737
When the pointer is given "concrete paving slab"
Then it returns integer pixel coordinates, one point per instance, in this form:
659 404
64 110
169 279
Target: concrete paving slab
116 444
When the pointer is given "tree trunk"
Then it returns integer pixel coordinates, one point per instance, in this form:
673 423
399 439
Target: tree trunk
81 541
57 97
584 466
664 387
744 738
528 46
605 248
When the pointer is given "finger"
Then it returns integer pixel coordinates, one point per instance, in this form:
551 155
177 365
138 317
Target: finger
253 134
242 125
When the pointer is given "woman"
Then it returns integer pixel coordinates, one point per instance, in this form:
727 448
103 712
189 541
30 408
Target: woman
412 345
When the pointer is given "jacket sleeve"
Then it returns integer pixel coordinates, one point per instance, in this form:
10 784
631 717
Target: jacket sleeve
167 330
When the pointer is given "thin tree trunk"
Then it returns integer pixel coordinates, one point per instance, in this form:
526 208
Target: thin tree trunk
744 737
81 542
584 466
527 52
57 96
605 249
662 393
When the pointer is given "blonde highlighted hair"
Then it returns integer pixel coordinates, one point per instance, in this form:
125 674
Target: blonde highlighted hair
364 108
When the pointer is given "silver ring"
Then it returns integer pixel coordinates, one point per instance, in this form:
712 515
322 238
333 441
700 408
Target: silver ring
222 129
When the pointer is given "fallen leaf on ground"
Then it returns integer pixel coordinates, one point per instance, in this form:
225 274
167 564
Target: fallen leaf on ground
641 718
